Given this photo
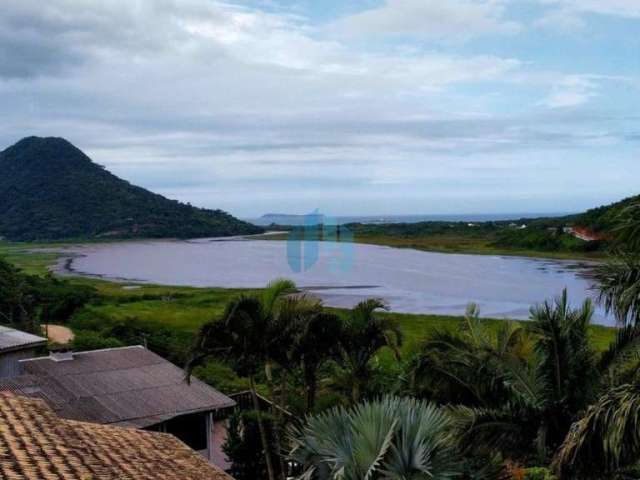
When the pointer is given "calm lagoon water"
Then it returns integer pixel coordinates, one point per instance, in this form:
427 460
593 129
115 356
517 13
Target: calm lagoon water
410 281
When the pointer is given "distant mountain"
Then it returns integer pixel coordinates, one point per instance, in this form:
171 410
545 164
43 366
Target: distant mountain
50 190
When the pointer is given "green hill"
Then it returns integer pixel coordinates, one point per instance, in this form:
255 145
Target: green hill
50 190
603 219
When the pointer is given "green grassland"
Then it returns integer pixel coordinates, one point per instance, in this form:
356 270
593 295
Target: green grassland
468 245
456 243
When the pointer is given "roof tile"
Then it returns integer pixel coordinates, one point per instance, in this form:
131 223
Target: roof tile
36 444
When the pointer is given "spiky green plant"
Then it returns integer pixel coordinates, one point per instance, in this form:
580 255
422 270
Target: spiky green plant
510 397
390 438
363 334
606 441
466 366
619 287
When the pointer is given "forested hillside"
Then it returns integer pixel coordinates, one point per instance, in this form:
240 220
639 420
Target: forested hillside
50 190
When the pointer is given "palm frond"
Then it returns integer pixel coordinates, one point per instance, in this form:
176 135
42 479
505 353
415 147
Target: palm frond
619 287
626 344
606 439
390 438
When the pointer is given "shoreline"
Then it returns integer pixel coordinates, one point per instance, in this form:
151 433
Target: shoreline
333 294
392 242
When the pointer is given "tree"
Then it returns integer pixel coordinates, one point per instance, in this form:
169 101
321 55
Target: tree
606 441
250 335
315 344
240 337
243 446
467 366
619 286
519 403
387 438
18 299
362 335
619 278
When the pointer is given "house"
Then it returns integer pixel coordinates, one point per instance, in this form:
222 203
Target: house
128 387
15 346
38 444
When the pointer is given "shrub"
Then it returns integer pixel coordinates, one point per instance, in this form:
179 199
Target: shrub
538 473
87 340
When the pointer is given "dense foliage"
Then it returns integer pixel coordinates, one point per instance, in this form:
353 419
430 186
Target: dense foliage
388 438
27 301
607 218
243 446
50 190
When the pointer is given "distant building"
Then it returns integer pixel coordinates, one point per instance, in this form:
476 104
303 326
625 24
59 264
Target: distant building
38 444
15 346
128 387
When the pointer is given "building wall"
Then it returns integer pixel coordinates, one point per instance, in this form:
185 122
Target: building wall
10 362
218 438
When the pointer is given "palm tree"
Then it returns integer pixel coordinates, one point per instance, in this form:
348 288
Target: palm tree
383 439
315 344
289 316
245 336
510 399
619 286
606 441
362 335
467 366
619 279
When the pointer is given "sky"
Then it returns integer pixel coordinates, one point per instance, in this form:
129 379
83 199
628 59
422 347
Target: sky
350 107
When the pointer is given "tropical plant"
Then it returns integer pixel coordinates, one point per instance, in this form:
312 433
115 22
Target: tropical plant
245 336
314 345
619 287
515 400
243 446
390 438
362 335
619 278
467 366
606 441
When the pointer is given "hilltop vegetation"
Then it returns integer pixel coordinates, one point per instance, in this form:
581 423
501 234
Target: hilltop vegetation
547 236
604 219
50 190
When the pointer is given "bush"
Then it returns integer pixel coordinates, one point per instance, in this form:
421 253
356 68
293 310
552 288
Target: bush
221 377
538 473
87 340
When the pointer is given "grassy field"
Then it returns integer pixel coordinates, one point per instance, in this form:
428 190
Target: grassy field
466 244
26 256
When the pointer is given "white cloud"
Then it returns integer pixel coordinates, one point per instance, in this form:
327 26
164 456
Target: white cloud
562 19
567 15
451 19
621 8
210 100
571 91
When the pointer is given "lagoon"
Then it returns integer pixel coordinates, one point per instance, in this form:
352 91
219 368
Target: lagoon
410 281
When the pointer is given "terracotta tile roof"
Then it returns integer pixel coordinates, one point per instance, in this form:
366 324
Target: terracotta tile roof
35 444
128 386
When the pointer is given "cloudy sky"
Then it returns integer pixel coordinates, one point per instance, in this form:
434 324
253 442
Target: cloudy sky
353 107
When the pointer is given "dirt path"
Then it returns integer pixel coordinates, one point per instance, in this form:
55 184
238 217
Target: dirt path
58 333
